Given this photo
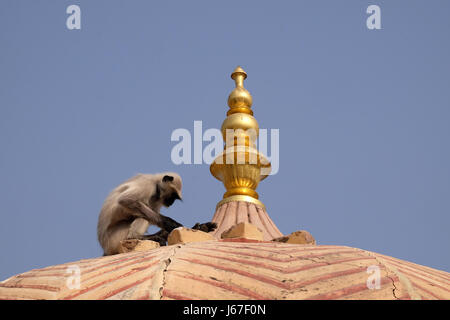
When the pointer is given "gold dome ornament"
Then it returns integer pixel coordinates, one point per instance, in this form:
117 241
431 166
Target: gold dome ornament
239 100
240 166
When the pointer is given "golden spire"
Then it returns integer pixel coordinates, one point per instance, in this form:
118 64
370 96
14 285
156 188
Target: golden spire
239 100
240 166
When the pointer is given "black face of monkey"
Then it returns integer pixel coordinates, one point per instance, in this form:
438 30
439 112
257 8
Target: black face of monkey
170 199
172 190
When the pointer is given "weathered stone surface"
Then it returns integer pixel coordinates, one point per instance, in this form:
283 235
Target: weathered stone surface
233 269
230 213
185 235
243 230
137 245
297 237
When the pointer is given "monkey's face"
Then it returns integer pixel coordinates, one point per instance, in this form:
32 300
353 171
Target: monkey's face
170 199
171 189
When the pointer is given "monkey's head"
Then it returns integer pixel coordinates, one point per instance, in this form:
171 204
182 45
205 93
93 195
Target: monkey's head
170 188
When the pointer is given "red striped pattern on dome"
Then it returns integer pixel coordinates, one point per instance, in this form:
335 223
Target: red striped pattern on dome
238 269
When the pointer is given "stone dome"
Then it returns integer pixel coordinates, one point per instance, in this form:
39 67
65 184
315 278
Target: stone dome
246 257
234 269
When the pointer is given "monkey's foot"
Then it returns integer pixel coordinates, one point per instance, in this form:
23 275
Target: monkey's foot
154 237
205 227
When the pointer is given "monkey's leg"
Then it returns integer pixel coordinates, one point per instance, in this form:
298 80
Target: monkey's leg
137 228
116 234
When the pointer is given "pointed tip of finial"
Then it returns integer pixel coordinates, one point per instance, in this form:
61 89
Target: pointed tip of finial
237 71
239 100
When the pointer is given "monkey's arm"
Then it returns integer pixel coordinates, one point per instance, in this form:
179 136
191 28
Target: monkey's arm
169 224
143 211
140 210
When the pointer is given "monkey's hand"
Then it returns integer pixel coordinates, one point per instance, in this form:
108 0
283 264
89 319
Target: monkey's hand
205 227
168 224
161 240
160 236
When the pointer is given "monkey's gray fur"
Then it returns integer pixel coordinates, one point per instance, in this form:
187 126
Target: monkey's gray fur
134 205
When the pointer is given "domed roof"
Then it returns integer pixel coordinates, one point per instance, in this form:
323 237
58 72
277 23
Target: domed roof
237 268
234 269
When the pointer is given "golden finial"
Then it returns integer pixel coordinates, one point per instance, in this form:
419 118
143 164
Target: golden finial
240 166
239 75
239 100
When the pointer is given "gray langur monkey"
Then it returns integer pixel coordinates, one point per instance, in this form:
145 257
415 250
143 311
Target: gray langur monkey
134 205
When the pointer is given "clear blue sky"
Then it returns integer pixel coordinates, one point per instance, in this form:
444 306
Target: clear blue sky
364 117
